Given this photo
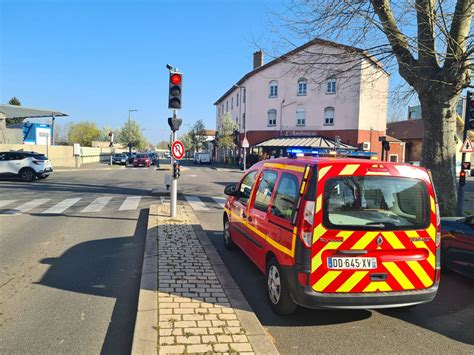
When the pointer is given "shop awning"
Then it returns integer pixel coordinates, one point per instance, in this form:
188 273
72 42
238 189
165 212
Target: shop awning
304 142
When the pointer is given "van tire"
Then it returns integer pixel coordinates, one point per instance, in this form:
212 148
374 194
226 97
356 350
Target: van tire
228 242
277 290
27 174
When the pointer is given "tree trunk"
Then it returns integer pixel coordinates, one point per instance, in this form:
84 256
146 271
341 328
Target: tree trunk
439 146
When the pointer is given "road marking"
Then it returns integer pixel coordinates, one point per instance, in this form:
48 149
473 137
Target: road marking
98 204
28 206
196 203
62 206
219 200
130 203
6 202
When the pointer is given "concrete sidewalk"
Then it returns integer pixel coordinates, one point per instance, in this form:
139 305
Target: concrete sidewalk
188 301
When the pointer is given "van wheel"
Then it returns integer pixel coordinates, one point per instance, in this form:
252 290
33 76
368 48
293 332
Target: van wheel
277 290
27 174
228 242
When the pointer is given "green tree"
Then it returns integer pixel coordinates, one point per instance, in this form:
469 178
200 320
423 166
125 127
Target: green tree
14 101
198 136
226 131
132 133
83 133
430 44
163 145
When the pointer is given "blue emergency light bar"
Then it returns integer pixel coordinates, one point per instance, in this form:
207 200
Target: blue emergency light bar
330 152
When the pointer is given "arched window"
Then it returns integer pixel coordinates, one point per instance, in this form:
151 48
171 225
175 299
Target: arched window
302 87
331 86
272 117
273 88
300 117
329 116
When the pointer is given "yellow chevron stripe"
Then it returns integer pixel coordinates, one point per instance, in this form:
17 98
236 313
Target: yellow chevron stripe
393 240
299 169
422 245
324 281
352 281
323 171
399 275
420 272
317 259
349 169
319 203
318 232
377 286
364 240
431 230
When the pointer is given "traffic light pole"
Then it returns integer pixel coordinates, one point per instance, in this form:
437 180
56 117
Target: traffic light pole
460 204
174 182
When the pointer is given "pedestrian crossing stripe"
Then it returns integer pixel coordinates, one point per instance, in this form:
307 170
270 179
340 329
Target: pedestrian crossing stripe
130 203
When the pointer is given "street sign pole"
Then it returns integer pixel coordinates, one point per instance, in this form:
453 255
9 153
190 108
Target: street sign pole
460 204
174 182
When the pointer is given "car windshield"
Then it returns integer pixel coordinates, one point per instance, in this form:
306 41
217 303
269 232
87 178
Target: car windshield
375 203
141 156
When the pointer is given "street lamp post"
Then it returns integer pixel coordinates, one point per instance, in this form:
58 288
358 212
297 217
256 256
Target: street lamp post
129 130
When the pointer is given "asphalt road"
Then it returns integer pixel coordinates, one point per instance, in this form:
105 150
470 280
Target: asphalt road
443 326
70 275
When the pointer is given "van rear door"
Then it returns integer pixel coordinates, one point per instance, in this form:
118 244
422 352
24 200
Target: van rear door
374 229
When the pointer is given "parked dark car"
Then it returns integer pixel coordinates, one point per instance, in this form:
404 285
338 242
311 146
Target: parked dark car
120 158
130 157
457 245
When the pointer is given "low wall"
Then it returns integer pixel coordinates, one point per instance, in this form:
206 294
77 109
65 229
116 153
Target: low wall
63 156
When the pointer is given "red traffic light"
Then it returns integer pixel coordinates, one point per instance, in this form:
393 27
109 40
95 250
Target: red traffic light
176 79
462 173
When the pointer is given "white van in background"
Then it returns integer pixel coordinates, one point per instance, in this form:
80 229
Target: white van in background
202 158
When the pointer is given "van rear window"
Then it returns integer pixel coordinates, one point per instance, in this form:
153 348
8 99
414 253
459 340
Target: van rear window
375 203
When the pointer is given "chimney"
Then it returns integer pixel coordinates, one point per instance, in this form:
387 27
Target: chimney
257 59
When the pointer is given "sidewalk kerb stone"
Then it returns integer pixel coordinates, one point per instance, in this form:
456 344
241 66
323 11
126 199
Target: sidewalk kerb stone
145 337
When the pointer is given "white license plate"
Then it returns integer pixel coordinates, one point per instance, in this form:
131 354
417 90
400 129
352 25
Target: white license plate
352 263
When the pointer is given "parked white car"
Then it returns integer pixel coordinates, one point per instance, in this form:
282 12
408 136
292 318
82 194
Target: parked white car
26 165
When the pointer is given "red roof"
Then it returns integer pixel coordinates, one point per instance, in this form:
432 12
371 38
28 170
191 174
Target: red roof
404 130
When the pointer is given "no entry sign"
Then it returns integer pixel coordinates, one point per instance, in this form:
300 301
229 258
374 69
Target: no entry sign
177 149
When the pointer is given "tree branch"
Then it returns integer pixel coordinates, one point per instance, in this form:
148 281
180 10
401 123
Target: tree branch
397 40
426 37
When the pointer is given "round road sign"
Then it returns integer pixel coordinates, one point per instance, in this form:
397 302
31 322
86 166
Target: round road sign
177 149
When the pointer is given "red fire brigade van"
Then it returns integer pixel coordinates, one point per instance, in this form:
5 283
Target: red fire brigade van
337 232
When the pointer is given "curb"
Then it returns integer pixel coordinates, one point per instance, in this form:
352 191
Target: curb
259 339
145 336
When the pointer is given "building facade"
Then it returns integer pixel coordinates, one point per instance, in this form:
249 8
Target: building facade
344 97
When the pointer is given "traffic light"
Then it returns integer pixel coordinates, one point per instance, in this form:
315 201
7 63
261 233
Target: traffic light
175 85
462 178
176 170
470 110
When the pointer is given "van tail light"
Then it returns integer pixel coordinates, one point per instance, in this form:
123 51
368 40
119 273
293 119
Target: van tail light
306 232
438 238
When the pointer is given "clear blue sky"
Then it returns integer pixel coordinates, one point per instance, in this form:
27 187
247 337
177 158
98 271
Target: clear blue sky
96 58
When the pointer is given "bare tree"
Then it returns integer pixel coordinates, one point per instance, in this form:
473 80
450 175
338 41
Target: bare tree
429 42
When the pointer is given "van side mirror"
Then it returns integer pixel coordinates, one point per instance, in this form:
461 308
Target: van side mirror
231 190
